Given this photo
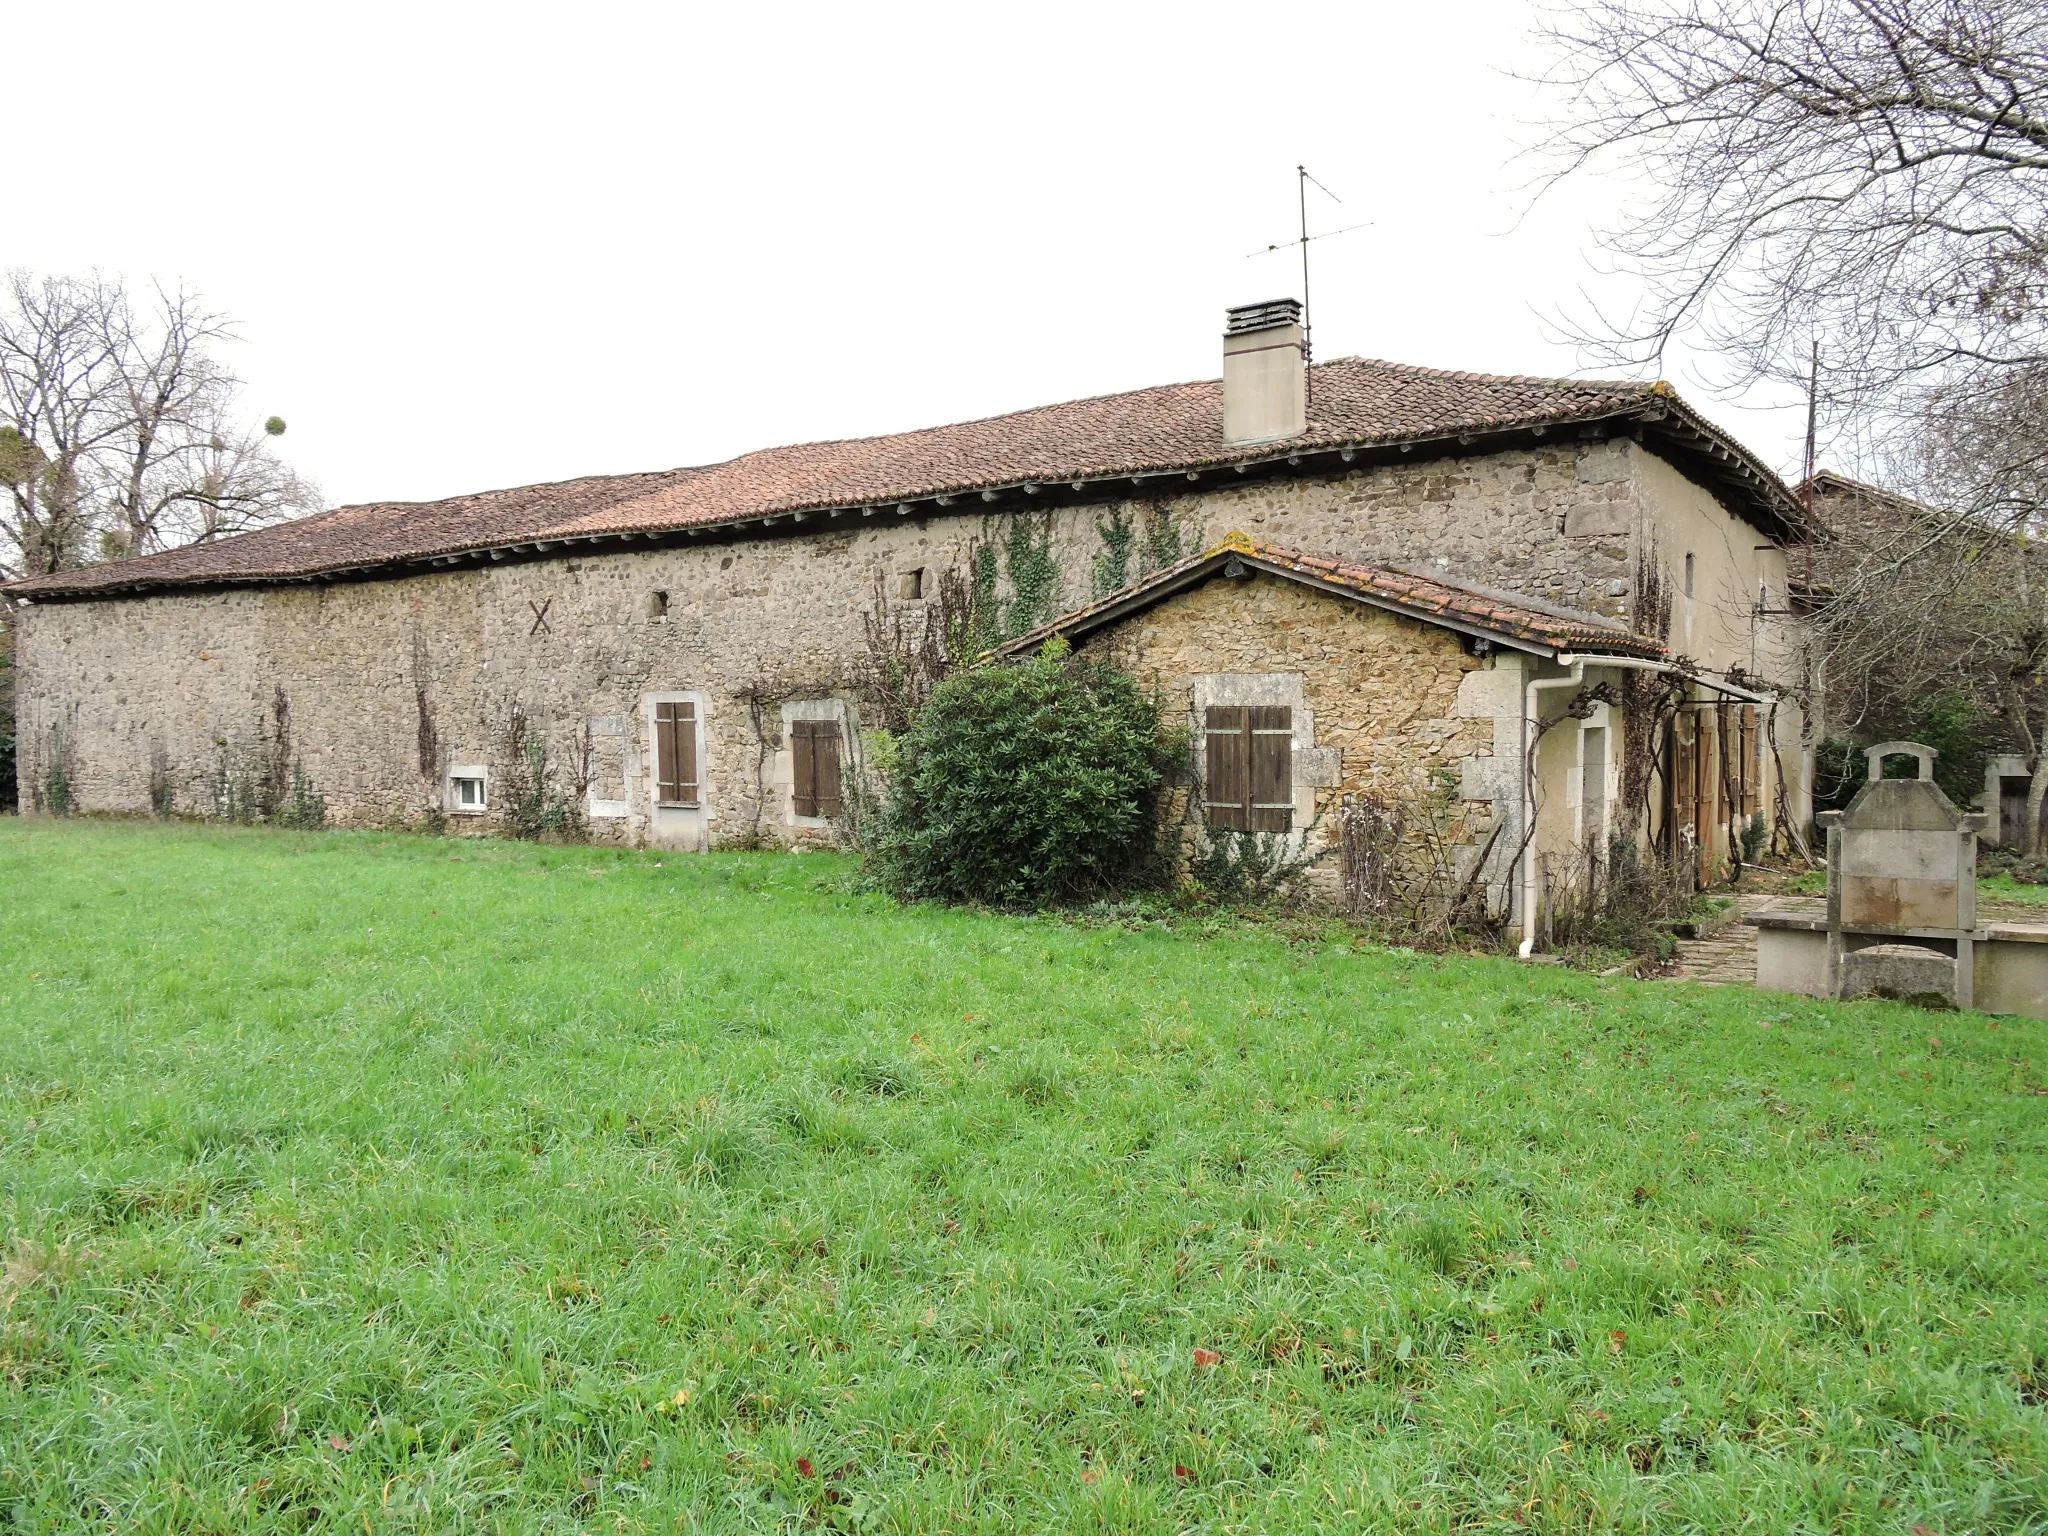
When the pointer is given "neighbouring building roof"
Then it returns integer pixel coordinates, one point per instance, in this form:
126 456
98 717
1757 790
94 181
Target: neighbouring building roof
1851 522
1477 611
1365 410
1834 484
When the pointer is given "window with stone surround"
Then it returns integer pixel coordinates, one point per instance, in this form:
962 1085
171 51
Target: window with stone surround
675 754
819 746
815 785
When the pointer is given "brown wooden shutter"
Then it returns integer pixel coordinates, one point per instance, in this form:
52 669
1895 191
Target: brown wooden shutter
1271 750
1752 762
803 755
686 753
825 738
665 754
1684 776
1228 768
675 754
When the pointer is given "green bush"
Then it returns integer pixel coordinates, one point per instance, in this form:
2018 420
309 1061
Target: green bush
1026 785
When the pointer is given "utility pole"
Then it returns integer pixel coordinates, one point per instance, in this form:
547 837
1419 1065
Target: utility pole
1812 432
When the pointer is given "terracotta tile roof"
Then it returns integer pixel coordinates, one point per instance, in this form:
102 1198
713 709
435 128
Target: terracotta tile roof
1169 429
1516 622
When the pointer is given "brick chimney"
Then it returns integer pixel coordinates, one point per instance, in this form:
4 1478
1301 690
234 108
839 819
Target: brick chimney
1265 384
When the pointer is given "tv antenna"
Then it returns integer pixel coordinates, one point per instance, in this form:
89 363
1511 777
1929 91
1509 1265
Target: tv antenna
1302 182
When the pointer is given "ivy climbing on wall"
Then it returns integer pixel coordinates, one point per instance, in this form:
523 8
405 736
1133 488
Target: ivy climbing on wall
1126 553
984 612
1111 570
1034 575
1162 538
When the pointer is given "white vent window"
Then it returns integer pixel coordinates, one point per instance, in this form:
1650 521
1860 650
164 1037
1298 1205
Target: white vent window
466 791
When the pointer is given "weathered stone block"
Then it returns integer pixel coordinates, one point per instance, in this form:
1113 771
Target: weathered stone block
1604 519
1319 767
1909 973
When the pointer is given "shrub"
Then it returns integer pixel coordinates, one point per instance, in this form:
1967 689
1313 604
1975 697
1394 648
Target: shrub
304 807
1025 785
1755 835
53 790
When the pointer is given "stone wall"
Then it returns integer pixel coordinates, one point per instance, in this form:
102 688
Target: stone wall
1382 706
390 683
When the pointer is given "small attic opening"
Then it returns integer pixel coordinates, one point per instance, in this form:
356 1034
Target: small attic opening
657 607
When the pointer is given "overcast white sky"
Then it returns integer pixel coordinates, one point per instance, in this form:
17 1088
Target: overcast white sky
474 246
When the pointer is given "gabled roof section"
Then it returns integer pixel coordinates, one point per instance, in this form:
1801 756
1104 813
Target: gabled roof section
1163 438
1836 486
1474 611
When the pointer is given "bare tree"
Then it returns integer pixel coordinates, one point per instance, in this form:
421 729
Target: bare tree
1870 173
119 432
1952 599
59 392
1860 188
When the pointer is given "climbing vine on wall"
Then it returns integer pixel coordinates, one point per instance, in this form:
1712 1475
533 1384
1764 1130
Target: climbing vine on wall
1111 570
535 805
1162 538
984 606
256 778
51 792
1125 552
1034 575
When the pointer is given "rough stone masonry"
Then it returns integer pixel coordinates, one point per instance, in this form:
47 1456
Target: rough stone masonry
389 685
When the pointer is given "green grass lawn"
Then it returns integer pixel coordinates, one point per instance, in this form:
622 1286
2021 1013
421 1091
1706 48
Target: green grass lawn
2004 888
366 1183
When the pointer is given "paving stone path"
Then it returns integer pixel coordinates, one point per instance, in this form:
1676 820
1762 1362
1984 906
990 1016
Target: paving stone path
1727 957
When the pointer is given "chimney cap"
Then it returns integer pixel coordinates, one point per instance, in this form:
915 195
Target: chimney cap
1240 318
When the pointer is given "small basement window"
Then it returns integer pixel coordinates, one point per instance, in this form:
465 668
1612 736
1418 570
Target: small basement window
466 791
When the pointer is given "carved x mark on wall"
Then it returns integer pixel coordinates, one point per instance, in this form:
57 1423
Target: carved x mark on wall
540 617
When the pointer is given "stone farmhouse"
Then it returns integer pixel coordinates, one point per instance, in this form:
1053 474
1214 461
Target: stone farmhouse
1560 604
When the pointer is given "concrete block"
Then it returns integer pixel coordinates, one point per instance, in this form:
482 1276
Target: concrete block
1792 960
1487 778
1908 973
2011 971
1605 465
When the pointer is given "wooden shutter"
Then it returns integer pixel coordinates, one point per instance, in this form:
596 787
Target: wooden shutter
1271 749
1250 761
1752 762
675 753
1228 764
825 739
814 762
1706 794
1684 771
803 743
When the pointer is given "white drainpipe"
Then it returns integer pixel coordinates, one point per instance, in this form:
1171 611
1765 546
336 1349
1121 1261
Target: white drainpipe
1530 721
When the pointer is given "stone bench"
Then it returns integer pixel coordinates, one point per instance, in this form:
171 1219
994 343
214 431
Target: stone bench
2011 959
